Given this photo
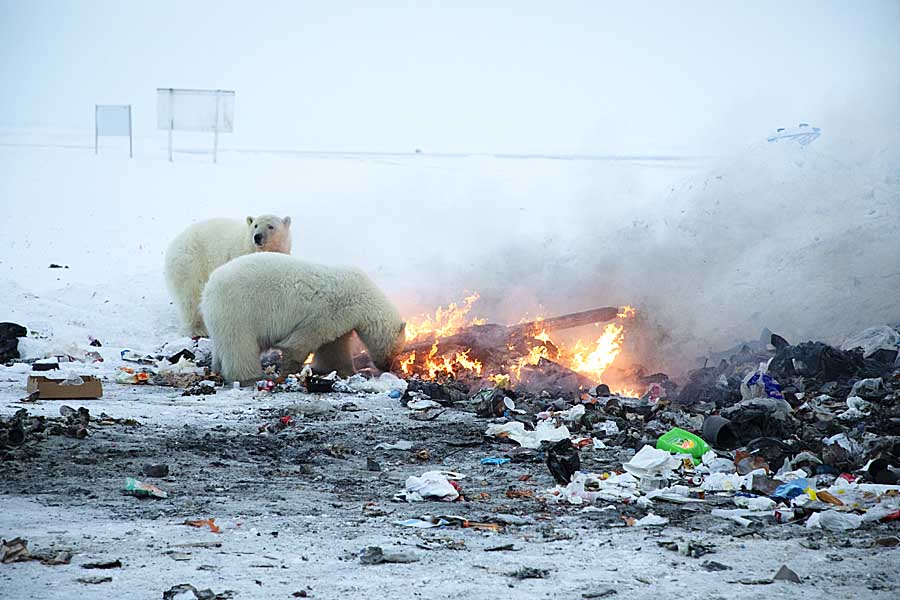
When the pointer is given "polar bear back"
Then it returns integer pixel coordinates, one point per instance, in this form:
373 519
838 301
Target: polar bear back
211 243
268 296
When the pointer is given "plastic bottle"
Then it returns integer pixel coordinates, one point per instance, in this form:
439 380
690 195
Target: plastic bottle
680 441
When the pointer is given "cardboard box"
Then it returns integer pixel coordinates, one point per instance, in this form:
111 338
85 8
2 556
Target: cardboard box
52 389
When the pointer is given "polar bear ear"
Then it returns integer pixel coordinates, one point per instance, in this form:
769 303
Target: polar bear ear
286 221
249 220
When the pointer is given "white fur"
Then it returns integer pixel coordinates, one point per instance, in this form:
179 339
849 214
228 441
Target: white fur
267 300
205 246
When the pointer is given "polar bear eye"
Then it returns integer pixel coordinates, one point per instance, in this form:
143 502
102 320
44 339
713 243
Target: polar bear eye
271 227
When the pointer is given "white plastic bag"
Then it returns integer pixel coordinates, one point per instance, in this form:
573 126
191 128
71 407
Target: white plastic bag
650 461
544 431
432 485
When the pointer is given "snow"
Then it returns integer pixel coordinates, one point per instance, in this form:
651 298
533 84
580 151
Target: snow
801 240
798 239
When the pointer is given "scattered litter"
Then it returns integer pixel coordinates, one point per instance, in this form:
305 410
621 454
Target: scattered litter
94 580
432 485
375 555
495 460
155 470
833 520
530 573
785 574
680 441
650 461
210 523
133 487
563 461
185 591
544 431
650 520
109 564
15 550
383 384
398 445
503 548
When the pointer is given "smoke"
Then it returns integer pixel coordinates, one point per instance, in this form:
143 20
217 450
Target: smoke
803 240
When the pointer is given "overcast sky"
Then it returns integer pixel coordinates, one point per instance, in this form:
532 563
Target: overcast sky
481 76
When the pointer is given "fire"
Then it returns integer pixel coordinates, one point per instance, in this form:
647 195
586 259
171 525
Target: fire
594 360
444 321
589 357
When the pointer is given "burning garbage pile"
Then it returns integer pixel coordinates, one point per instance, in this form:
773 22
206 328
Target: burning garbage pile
805 433
451 345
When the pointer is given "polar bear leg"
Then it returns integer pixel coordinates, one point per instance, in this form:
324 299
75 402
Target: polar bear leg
192 319
295 349
187 287
335 356
237 359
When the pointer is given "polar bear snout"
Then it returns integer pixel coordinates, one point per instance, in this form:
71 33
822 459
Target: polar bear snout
258 239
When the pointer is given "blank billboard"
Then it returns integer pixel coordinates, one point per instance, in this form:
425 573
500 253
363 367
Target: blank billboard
195 110
113 119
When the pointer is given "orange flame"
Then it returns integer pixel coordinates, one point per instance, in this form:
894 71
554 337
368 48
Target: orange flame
444 321
590 358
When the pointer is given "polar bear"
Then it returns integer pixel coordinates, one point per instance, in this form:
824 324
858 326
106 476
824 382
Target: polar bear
266 300
204 246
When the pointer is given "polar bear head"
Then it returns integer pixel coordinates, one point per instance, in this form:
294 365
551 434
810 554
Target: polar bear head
269 233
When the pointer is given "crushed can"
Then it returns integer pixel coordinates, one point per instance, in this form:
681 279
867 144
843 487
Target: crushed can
785 515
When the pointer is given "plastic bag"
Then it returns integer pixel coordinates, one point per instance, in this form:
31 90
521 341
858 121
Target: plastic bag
432 485
834 520
651 462
873 339
760 384
544 431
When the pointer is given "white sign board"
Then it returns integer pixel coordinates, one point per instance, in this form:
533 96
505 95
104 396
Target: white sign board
195 110
112 120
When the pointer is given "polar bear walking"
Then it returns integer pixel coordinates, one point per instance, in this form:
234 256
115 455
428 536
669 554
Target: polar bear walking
268 300
205 246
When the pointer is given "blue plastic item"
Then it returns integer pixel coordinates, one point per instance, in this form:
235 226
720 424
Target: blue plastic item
772 387
395 393
494 460
792 489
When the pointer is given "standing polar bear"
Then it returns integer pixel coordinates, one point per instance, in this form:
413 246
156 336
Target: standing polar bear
268 300
203 247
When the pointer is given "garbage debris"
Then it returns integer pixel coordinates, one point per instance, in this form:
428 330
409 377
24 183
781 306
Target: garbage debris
432 485
683 442
15 550
563 461
530 573
210 523
375 555
68 388
185 591
649 462
133 487
650 520
155 470
544 431
785 574
109 564
9 341
94 580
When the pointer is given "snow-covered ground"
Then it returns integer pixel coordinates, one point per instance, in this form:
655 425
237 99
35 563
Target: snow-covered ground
710 251
802 240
